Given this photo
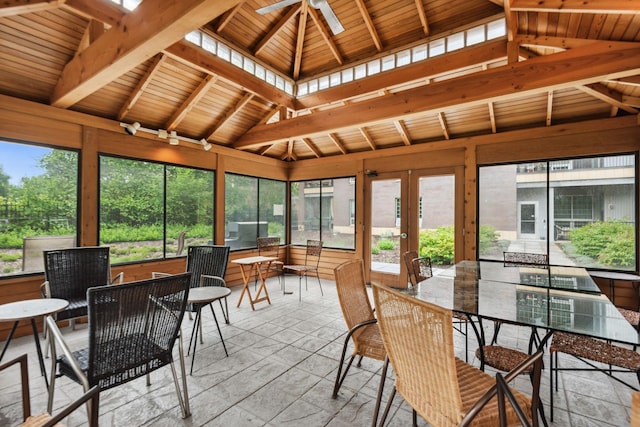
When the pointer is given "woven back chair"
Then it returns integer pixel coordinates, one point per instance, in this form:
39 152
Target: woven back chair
270 246
525 259
442 389
408 258
589 350
310 266
70 272
358 315
44 418
422 268
132 331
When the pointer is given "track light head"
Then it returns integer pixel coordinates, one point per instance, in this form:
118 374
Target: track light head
132 128
173 140
205 144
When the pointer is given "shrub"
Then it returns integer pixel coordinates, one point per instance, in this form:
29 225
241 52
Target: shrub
611 243
438 244
375 250
385 244
487 238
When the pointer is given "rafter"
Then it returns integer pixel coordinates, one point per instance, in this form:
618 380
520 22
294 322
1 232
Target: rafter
585 65
93 31
423 17
140 34
492 117
334 138
193 99
576 6
230 114
369 23
403 131
326 36
302 29
276 29
368 138
549 108
311 146
443 125
19 7
228 16
137 92
632 81
609 96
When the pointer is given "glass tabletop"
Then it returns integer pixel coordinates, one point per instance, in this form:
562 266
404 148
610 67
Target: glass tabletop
555 277
587 313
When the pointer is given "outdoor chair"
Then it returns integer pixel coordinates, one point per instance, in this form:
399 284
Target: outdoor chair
46 419
359 317
310 266
408 258
441 388
132 331
589 350
635 409
270 246
69 272
33 247
180 241
208 266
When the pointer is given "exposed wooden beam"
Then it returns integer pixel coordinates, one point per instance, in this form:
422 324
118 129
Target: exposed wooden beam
93 31
369 23
139 35
557 42
487 52
576 6
334 138
137 92
634 101
311 146
549 108
276 29
511 20
302 30
326 35
193 99
232 112
423 17
443 124
228 16
403 131
492 117
19 7
585 65
271 114
632 81
198 58
609 96
368 138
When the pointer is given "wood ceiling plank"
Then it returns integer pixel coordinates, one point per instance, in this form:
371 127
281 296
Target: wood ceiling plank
576 6
588 64
140 34
229 15
230 114
326 36
193 99
276 29
135 94
19 7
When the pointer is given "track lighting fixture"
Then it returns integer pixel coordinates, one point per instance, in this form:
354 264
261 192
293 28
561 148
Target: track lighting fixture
174 138
132 128
205 144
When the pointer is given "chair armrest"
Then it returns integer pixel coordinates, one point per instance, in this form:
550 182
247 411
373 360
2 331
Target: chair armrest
44 289
57 338
535 360
93 394
358 326
119 277
156 274
214 278
24 376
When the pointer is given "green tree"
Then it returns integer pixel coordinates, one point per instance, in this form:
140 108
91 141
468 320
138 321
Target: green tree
4 183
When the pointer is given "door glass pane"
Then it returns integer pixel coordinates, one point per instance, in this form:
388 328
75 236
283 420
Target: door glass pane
436 219
385 226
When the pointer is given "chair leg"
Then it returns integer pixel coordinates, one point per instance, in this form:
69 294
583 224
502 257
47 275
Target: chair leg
225 310
184 401
319 284
383 377
219 331
388 407
339 377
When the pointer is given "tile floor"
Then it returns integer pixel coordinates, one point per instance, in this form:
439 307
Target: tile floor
280 372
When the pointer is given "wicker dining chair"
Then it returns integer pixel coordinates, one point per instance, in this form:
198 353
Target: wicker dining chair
635 409
359 317
441 388
270 246
589 350
46 419
408 258
310 266
133 329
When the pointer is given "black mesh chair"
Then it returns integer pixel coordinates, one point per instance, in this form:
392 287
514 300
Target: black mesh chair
132 331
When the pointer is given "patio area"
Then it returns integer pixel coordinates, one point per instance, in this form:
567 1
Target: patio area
280 372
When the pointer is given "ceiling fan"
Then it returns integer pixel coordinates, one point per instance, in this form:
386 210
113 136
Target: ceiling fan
322 5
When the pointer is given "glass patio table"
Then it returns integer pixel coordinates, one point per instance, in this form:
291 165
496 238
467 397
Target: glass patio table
560 299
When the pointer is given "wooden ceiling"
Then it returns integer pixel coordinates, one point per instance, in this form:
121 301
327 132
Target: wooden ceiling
560 61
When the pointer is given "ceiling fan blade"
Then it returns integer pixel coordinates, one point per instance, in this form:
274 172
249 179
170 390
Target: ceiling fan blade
332 19
276 6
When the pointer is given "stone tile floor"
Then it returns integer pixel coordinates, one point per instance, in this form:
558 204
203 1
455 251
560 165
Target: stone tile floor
280 372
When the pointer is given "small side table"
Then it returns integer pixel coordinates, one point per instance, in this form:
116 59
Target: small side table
29 310
246 268
612 277
200 297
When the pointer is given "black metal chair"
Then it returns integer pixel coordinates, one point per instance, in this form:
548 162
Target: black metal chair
270 246
310 266
132 331
45 419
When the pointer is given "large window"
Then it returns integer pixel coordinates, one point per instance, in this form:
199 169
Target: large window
579 211
153 211
38 204
324 209
254 207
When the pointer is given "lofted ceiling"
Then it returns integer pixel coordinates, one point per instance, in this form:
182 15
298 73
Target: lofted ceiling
559 61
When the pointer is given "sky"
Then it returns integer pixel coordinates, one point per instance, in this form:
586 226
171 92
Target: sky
20 160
